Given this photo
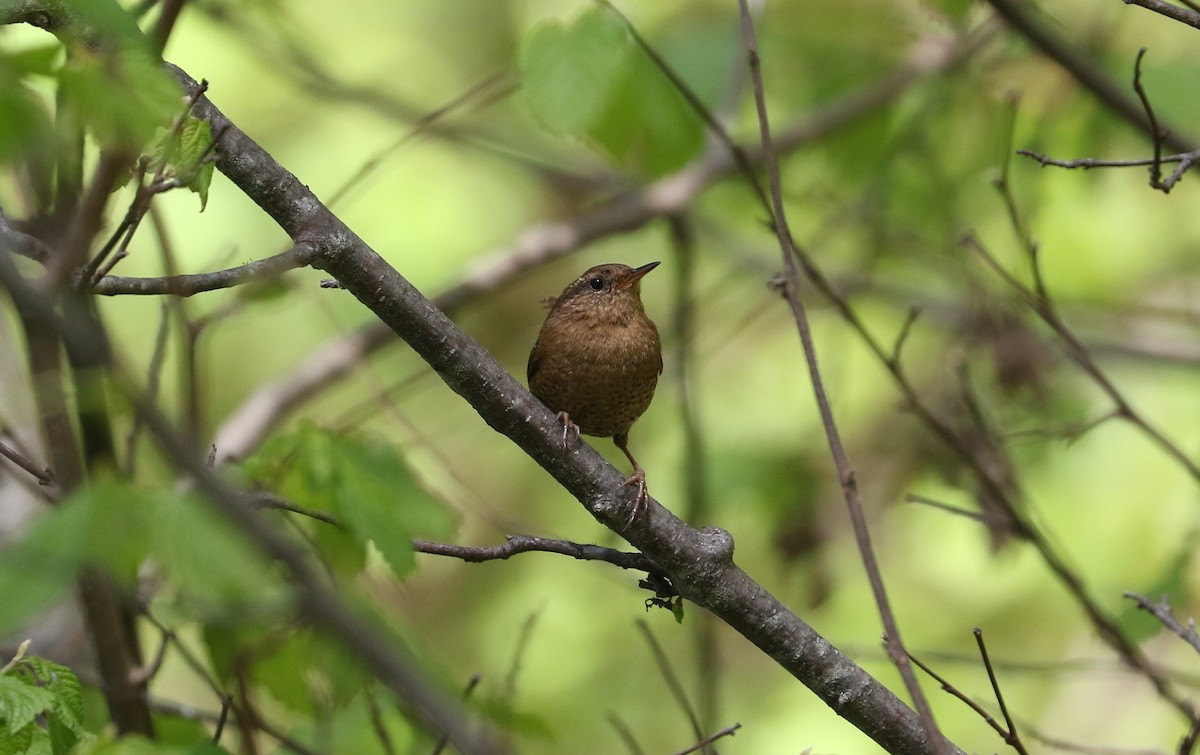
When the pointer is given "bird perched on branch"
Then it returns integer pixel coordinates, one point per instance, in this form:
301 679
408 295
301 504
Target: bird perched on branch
597 360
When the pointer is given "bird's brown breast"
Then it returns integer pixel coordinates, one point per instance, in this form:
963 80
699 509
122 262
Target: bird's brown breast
601 368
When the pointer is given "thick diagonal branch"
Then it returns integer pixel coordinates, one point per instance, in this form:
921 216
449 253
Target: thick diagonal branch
699 562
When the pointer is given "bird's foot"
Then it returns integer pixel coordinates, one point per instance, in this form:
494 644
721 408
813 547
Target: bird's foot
639 502
569 429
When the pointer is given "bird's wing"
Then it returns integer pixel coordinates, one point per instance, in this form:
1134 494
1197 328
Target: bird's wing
535 361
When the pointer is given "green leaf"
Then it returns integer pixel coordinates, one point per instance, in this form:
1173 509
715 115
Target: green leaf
380 502
589 81
19 743
31 578
216 568
64 719
36 60
122 95
21 702
310 673
201 181
365 484
27 132
195 137
569 72
648 124
226 642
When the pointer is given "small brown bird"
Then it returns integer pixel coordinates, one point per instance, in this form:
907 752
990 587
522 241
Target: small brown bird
597 359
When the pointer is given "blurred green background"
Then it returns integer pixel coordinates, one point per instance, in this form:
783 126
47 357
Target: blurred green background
880 202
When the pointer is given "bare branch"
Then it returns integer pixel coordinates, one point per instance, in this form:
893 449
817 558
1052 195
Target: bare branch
728 731
43 475
189 285
516 544
1156 133
1183 15
954 691
1162 611
1092 162
1021 17
1012 738
671 678
934 739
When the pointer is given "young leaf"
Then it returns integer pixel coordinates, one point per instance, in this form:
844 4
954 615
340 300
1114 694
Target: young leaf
21 742
21 702
215 567
64 719
365 484
569 72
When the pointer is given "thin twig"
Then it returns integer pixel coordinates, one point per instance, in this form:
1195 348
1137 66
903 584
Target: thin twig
142 675
43 475
668 674
444 739
377 722
266 500
1188 16
96 268
846 474
1024 18
1188 743
1092 162
1043 306
419 127
191 713
1162 611
905 331
189 285
696 491
524 638
1013 738
980 517
954 691
625 734
728 731
1157 135
515 544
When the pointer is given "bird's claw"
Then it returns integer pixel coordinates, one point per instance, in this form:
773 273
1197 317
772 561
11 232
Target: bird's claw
639 502
569 428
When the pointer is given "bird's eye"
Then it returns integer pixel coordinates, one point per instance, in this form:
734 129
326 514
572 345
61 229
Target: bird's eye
597 284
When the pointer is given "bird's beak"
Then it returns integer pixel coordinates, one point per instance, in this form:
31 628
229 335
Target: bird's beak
633 276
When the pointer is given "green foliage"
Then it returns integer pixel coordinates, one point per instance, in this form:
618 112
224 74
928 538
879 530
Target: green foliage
41 708
589 80
309 673
570 72
116 527
26 124
364 484
182 157
121 96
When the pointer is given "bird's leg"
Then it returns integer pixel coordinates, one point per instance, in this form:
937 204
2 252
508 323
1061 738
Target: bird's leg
569 428
637 478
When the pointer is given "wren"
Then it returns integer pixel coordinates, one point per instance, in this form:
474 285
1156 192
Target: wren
597 360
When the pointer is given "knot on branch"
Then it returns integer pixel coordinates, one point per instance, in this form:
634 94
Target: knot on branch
717 545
